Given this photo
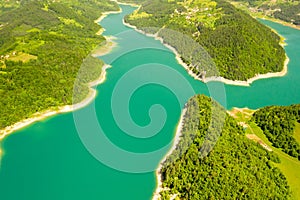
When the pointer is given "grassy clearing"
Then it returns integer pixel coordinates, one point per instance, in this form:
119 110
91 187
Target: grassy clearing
24 57
290 167
241 114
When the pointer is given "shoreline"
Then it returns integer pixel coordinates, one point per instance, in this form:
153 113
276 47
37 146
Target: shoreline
60 110
128 4
105 49
39 116
159 188
278 21
251 80
176 140
105 14
217 79
262 15
247 83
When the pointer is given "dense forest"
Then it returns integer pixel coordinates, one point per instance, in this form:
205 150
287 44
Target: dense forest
288 13
285 10
235 168
278 124
6 6
239 47
42 46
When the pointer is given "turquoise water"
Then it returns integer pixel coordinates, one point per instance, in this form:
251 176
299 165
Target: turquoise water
49 160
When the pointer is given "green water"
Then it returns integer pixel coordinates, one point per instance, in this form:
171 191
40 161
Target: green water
49 160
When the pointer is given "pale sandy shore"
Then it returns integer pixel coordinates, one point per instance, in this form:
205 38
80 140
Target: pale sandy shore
218 79
258 76
63 109
105 14
68 108
279 22
43 115
251 80
129 4
107 48
159 188
176 140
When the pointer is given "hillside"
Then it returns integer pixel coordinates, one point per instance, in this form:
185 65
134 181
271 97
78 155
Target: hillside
279 124
240 47
235 168
285 10
42 46
6 6
290 166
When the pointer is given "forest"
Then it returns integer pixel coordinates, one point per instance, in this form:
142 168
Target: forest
219 166
278 124
237 47
6 6
287 10
288 13
43 44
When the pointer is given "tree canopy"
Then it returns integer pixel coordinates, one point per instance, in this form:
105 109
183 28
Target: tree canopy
42 46
240 47
235 168
278 124
286 10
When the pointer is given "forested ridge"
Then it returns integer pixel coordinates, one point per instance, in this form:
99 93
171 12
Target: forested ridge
285 10
42 46
6 6
235 168
278 124
239 46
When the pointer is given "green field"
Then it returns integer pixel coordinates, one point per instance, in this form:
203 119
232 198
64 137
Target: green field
24 57
289 166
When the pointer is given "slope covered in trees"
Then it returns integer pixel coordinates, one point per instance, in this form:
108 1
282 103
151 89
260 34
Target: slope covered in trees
278 124
8 5
240 46
42 46
285 10
235 168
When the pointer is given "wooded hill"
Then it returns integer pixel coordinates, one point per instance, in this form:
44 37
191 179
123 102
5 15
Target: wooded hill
6 6
278 124
235 168
42 46
285 10
240 47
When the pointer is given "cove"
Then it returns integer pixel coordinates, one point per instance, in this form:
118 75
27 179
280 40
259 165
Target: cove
49 161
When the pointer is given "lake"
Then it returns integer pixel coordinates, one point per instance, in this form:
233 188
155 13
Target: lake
110 149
